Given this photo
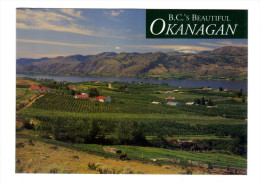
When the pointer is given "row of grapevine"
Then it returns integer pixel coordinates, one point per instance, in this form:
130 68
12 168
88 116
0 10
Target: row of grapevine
61 102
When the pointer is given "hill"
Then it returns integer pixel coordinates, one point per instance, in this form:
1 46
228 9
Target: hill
229 60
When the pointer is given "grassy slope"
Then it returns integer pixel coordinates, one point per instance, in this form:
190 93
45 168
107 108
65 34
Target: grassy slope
22 81
23 94
41 158
145 153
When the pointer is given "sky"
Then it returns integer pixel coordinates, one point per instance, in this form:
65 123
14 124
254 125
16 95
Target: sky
62 32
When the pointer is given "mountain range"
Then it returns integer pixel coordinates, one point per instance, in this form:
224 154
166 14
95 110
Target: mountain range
227 60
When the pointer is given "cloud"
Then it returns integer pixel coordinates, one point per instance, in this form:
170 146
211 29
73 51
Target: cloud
43 19
114 13
181 48
224 43
117 48
44 14
72 12
187 51
55 43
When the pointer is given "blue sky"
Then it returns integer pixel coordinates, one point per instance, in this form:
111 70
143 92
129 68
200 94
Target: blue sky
61 32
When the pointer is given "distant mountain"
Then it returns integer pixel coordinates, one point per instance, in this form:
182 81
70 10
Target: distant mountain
229 51
221 61
26 61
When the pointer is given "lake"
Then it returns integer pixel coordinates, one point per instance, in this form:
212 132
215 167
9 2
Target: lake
215 84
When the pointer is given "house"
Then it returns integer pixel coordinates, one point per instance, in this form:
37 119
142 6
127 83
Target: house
83 96
154 102
45 89
205 88
40 89
168 92
109 85
34 87
102 99
170 98
226 89
176 104
190 103
108 99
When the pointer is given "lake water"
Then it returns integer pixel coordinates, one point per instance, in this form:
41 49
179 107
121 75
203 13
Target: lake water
215 84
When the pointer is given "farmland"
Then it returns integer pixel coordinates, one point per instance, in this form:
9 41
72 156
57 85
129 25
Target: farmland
134 125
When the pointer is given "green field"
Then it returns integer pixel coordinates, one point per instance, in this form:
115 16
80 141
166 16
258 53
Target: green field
138 127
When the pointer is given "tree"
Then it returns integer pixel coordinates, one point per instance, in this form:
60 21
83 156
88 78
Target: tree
93 92
93 131
197 101
239 145
244 100
129 133
202 101
124 133
121 88
139 138
240 93
210 103
72 92
220 88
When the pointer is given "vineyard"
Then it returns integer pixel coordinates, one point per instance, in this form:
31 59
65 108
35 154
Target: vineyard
60 102
131 119
67 103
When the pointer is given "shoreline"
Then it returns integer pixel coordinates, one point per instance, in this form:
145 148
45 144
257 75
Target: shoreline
148 76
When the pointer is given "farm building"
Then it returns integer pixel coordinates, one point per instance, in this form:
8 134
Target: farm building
34 87
226 89
41 89
206 88
45 89
83 95
102 99
98 98
176 104
168 92
154 102
190 103
170 98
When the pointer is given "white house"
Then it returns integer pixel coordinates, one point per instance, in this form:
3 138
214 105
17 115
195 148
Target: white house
190 103
107 99
176 104
168 92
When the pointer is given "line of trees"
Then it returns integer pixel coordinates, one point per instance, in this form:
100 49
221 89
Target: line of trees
92 131
202 101
134 133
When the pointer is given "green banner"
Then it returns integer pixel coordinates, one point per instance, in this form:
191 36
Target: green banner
196 23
